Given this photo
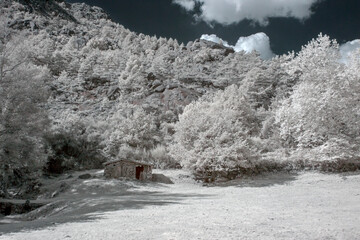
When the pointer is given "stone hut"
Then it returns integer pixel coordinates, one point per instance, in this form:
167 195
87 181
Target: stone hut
128 169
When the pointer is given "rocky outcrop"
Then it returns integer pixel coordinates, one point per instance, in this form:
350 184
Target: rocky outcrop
213 45
9 207
161 178
47 8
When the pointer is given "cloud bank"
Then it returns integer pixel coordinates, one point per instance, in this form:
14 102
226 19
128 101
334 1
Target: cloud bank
233 11
347 49
189 5
259 42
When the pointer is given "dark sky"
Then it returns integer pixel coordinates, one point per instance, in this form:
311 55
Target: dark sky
340 19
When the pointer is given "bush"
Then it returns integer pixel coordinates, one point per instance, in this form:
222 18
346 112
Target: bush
160 158
69 151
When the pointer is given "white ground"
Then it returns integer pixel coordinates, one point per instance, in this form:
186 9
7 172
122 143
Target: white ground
312 206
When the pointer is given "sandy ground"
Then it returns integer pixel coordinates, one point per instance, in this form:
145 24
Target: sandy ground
306 206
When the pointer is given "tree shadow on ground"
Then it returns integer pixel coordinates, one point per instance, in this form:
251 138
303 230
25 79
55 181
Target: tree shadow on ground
91 206
261 180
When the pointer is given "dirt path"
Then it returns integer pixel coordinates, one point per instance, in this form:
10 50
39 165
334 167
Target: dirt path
307 206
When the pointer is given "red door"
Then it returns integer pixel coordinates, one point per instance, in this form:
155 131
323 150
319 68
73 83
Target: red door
139 170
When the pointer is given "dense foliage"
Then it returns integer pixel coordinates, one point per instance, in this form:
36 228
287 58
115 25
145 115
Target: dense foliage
78 90
315 120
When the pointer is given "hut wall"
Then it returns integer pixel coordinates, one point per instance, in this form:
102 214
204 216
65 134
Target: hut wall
127 169
120 169
147 174
112 170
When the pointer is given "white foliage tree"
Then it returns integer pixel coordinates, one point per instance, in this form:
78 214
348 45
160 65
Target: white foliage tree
129 129
214 133
324 107
22 97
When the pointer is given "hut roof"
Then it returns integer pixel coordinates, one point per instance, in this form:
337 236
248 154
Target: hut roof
128 161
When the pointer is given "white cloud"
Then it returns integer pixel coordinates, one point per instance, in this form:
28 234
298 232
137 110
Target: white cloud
233 11
347 49
259 42
189 5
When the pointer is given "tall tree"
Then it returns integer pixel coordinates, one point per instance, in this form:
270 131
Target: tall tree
22 115
324 106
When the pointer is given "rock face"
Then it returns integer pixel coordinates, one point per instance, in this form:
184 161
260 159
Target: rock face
85 176
161 178
47 8
9 207
213 45
101 59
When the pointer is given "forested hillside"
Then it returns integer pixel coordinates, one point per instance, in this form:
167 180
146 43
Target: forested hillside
78 89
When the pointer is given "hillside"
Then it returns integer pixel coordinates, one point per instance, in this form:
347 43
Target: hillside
79 90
